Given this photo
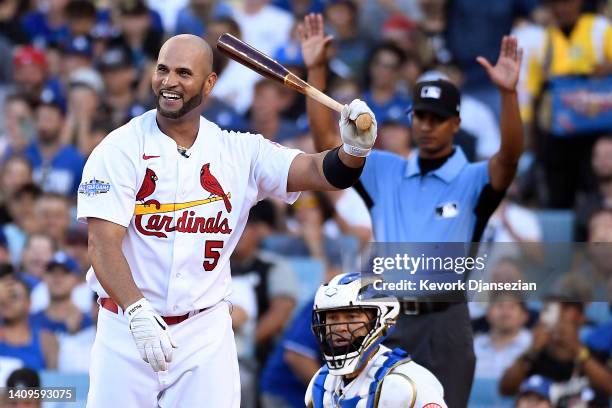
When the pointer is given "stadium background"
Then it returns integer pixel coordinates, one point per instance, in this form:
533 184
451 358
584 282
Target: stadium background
74 70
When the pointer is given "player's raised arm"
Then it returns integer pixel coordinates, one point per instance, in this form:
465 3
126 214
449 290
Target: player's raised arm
505 74
340 167
314 50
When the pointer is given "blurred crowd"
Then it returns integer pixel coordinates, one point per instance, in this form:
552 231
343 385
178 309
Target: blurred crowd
75 70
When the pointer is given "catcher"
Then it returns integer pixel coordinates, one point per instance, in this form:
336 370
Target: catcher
360 372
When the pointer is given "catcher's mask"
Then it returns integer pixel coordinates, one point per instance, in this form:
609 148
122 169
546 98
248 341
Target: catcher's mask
347 327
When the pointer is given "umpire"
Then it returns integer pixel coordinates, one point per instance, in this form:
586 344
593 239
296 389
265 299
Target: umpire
434 196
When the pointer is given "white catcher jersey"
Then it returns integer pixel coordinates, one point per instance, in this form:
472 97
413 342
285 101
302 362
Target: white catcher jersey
184 215
406 385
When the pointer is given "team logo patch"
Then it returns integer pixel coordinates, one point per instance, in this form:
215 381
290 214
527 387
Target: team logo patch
94 187
447 210
431 92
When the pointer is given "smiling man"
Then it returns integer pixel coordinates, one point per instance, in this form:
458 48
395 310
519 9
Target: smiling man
166 197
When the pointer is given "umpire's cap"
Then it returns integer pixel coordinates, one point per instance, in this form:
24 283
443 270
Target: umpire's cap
440 97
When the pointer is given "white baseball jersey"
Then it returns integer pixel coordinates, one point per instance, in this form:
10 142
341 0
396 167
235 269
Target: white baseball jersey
184 215
404 384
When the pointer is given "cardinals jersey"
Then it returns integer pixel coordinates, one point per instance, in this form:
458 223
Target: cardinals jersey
389 380
184 214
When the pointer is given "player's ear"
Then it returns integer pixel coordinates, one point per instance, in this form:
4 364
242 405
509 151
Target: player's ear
456 124
209 83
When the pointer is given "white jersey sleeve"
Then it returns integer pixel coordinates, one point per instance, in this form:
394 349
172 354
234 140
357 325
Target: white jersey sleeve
271 170
410 385
108 186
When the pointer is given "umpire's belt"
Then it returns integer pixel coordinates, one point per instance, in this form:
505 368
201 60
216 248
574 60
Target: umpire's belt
420 307
110 305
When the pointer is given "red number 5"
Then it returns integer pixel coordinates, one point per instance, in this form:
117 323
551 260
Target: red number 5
211 254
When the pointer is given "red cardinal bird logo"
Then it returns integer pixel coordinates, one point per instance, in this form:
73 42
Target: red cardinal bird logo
211 184
148 186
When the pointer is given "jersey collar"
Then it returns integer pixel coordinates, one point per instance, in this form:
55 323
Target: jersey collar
447 172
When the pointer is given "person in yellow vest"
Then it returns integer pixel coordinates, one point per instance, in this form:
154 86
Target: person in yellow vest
576 44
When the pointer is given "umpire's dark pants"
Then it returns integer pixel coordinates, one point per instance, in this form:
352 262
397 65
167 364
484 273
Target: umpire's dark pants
442 342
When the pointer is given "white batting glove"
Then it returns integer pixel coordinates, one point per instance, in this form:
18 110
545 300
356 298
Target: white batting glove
356 142
151 334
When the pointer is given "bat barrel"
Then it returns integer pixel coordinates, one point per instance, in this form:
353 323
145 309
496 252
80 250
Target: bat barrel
251 57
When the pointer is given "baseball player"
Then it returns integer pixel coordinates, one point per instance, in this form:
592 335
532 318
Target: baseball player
360 372
166 198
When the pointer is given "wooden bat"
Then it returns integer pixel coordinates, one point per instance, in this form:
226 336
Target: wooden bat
269 68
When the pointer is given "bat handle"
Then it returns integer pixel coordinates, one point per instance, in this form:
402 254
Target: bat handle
363 121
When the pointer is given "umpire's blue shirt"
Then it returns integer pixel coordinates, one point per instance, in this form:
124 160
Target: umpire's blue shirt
449 204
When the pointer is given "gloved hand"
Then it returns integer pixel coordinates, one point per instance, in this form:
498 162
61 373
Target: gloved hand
151 334
356 142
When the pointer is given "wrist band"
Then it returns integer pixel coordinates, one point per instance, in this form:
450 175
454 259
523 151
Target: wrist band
337 173
355 151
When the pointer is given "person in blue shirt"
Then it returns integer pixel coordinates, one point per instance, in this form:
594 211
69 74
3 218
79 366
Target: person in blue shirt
36 348
433 196
57 166
62 315
294 361
382 95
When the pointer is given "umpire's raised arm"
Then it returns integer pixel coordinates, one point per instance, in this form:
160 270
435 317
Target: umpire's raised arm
505 75
339 167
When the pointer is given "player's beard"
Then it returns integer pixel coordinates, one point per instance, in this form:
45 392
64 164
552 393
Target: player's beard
187 107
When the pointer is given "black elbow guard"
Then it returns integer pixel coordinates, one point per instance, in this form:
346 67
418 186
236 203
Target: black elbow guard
337 173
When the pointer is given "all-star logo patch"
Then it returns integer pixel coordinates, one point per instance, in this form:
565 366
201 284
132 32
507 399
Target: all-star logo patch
94 187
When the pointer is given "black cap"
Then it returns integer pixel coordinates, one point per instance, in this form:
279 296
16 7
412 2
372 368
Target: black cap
440 97
114 58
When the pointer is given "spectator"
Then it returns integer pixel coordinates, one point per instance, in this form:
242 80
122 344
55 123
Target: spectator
18 125
244 321
75 246
294 361
53 212
535 393
350 45
395 137
351 217
137 34
197 15
81 17
57 166
272 278
512 222
264 26
382 94
567 53
47 25
375 12
74 352
23 378
5 256
36 348
588 203
22 211
238 94
433 47
16 173
556 352
10 26
120 78
507 338
31 75
265 115
61 315
84 100
488 22
75 54
37 253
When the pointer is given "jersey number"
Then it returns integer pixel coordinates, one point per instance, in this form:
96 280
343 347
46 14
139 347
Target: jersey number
212 252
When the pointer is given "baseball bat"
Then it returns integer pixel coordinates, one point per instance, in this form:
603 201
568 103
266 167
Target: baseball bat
269 68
